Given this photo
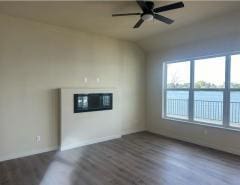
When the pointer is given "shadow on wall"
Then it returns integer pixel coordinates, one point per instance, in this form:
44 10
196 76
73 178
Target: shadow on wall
55 116
58 114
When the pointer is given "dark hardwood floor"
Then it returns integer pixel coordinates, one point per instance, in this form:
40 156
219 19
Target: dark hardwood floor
136 159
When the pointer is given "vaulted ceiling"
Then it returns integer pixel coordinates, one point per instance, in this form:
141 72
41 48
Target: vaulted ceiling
95 16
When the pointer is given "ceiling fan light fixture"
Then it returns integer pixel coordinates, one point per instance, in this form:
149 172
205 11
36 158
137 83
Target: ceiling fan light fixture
147 17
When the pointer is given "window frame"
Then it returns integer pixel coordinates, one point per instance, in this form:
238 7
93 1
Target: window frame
226 124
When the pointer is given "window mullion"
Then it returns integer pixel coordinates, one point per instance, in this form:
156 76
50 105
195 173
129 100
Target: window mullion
164 82
226 101
191 92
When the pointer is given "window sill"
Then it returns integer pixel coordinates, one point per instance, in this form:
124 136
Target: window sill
182 121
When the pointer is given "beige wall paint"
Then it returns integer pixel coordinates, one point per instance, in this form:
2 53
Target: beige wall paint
216 36
36 59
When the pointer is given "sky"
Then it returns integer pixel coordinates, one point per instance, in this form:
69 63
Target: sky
211 70
179 72
235 67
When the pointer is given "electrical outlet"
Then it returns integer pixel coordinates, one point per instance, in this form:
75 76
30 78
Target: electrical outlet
98 80
38 139
85 80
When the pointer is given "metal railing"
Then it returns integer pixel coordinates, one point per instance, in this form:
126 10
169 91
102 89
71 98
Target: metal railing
177 107
203 110
235 112
208 110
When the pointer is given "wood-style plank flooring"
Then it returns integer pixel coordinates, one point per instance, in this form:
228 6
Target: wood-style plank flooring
136 159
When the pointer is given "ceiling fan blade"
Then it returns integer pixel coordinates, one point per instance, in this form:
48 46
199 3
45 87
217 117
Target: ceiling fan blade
139 23
125 14
142 5
163 19
169 7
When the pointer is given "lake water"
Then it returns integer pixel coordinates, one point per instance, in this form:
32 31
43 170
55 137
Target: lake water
203 95
207 106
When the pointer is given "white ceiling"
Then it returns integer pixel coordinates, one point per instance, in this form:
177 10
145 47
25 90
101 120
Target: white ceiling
96 16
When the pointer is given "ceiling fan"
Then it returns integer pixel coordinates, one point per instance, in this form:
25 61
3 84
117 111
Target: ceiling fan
150 13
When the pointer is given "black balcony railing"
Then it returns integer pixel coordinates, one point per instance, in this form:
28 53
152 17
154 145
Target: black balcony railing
203 110
235 112
208 110
177 107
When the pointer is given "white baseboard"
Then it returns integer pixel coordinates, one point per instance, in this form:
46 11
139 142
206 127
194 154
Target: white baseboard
234 151
89 142
132 131
62 148
28 153
48 149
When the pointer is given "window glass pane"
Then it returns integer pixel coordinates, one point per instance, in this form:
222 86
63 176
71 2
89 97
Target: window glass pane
210 73
178 75
235 68
208 106
177 104
235 109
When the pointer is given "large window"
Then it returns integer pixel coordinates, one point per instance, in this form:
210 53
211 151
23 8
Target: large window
204 90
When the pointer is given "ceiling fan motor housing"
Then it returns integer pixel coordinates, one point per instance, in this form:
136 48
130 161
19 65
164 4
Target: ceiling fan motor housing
149 4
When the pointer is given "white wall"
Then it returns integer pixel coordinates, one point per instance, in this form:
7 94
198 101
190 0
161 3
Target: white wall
36 59
214 36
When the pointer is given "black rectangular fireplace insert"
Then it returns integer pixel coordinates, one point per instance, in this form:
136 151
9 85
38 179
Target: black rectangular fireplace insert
92 102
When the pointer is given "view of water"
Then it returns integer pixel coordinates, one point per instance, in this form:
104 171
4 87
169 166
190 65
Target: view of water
208 106
203 95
